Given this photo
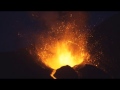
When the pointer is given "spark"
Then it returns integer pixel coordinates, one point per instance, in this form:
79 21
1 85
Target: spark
63 45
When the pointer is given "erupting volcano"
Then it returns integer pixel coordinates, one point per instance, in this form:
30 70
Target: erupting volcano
64 44
59 45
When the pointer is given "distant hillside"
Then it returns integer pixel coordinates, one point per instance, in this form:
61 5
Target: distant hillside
106 37
21 65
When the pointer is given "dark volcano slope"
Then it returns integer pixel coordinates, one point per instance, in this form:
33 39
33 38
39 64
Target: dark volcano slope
92 72
66 72
85 72
106 38
21 65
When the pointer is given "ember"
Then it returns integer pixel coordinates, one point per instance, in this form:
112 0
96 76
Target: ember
65 43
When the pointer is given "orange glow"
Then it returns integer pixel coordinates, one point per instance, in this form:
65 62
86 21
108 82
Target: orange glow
52 74
64 44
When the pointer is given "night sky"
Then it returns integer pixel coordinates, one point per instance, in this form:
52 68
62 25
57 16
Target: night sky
15 24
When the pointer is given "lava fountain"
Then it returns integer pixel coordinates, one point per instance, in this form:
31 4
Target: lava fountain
64 44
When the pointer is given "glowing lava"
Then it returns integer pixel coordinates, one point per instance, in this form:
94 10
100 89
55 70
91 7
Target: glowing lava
52 74
64 44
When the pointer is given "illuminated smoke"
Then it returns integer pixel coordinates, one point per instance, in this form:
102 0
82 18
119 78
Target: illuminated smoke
65 40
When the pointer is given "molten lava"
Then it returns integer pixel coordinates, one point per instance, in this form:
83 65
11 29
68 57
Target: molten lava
64 44
52 74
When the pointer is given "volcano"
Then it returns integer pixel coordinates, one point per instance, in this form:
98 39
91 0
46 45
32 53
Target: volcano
21 64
